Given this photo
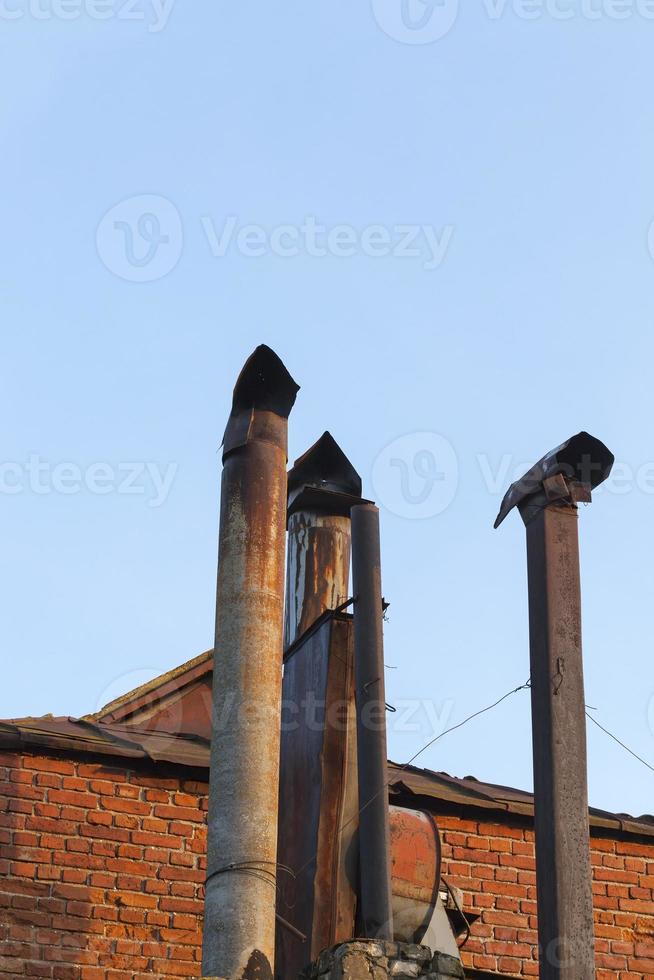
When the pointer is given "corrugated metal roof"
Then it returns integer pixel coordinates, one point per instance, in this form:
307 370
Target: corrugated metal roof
81 735
471 792
120 742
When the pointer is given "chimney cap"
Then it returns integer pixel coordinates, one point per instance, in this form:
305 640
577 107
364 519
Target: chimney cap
581 458
264 383
326 467
323 480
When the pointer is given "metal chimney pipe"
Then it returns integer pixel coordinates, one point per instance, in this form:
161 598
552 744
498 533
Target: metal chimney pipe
374 837
547 498
322 486
239 922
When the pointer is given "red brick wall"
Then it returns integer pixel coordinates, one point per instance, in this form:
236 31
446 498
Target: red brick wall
494 865
101 872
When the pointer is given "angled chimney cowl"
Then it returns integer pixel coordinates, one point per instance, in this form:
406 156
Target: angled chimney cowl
322 488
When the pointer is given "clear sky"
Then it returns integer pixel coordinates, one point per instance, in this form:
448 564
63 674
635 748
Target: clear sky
510 156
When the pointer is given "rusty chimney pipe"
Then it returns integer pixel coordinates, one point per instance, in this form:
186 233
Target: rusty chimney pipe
374 834
322 487
547 498
239 921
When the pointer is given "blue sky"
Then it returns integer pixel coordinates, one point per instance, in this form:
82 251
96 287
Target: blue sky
165 170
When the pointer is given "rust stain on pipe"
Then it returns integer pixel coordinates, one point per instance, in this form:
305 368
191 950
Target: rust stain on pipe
318 568
239 926
322 487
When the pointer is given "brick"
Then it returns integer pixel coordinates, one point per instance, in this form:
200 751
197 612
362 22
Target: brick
127 821
128 848
47 779
156 840
177 813
73 798
116 805
43 764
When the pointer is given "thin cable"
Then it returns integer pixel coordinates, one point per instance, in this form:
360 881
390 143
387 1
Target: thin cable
459 910
616 739
250 868
465 721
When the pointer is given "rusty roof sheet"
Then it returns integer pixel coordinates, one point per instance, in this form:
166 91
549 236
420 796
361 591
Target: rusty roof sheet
408 781
119 741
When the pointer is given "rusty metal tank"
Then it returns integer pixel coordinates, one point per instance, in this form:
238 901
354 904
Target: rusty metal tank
415 872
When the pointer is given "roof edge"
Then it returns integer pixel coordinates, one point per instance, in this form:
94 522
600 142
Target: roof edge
124 705
437 791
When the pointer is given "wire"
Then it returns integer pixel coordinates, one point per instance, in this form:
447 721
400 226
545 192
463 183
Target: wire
447 731
616 739
465 721
459 910
250 868
454 728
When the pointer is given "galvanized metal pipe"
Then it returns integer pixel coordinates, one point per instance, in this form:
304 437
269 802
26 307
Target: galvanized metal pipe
239 924
563 869
374 839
